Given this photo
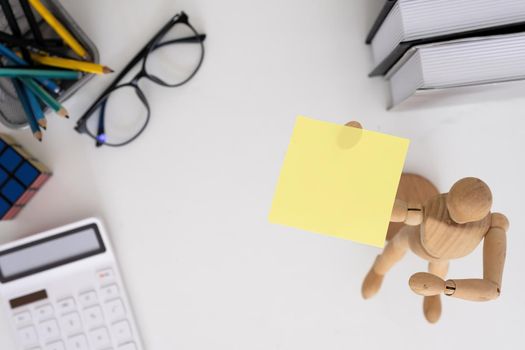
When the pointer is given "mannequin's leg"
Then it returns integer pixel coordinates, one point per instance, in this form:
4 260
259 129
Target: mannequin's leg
432 304
393 252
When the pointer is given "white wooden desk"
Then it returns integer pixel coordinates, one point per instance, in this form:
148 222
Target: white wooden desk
187 204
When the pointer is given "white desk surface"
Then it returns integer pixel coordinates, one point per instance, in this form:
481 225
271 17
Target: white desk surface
187 204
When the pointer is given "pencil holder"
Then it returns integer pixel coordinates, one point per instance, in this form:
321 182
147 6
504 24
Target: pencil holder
11 111
21 176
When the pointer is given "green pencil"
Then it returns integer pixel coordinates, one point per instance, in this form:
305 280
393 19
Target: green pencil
45 97
39 73
35 129
36 108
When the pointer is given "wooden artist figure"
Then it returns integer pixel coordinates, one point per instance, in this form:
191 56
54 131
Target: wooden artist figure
445 227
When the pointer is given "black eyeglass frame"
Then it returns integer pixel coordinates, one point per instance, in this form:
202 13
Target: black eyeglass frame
152 45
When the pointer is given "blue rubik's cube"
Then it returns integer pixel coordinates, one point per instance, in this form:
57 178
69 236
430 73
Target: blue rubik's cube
21 176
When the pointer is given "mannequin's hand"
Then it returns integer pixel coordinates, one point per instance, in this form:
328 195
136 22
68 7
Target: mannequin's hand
424 283
354 124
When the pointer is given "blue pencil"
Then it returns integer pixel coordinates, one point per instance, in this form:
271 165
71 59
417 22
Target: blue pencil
13 57
36 108
27 109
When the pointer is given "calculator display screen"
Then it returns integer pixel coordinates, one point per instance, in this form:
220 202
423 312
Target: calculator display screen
50 252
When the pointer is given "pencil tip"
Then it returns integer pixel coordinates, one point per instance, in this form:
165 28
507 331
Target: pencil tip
38 136
107 70
42 123
63 113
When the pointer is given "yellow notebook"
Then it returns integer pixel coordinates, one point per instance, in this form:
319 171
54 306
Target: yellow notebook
339 181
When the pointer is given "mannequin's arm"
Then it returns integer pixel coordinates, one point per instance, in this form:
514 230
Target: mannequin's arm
408 213
494 250
480 289
411 213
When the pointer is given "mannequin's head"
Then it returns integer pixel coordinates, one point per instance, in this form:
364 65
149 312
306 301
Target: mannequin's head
469 200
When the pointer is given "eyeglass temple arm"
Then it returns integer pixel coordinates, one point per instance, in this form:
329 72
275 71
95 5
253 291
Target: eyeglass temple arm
189 40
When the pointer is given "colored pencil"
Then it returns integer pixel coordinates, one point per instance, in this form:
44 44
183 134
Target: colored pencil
29 42
13 24
27 109
50 46
67 63
59 28
10 55
45 97
30 16
36 108
11 72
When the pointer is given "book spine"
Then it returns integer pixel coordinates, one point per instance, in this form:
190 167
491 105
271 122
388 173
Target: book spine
400 50
380 19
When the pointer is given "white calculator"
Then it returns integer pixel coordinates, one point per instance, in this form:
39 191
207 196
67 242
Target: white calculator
62 290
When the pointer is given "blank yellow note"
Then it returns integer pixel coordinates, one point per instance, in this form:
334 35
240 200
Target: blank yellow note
339 181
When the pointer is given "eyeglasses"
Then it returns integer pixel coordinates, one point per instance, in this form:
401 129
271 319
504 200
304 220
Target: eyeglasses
170 59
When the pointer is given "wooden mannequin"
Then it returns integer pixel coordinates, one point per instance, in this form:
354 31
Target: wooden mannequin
441 228
448 226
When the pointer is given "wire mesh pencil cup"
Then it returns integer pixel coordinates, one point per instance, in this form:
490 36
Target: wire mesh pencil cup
11 111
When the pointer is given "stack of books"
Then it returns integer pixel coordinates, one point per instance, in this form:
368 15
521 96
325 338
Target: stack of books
422 46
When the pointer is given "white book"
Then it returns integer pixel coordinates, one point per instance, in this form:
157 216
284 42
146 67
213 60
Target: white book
410 20
467 62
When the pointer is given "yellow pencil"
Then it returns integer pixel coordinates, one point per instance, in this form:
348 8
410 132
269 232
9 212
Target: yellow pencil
67 63
59 28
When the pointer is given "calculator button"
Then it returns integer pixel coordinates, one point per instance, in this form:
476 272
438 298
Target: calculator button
106 276
78 342
55 346
88 298
100 338
128 346
66 305
71 323
109 292
115 309
22 318
93 317
122 331
44 312
48 330
28 337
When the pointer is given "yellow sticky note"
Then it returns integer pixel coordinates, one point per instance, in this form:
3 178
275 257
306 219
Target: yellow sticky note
339 181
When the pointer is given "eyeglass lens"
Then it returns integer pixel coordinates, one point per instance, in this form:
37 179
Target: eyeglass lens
169 63
125 115
174 62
